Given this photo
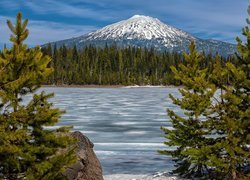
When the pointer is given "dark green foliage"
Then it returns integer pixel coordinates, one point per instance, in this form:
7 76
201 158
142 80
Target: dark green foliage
114 66
188 133
230 116
212 140
27 150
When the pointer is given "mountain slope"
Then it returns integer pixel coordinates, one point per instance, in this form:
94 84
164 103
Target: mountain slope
145 31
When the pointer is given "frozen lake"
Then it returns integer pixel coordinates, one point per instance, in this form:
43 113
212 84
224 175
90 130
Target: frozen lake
123 123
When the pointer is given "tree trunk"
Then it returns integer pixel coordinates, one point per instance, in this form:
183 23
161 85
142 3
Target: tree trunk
234 175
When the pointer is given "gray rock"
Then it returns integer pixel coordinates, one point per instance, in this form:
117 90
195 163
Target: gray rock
88 166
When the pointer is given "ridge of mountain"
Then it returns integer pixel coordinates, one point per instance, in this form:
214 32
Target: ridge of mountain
147 32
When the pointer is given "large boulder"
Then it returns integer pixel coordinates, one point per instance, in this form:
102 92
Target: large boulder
87 167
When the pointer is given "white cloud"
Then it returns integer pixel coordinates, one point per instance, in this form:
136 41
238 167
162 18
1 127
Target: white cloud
67 10
43 31
9 4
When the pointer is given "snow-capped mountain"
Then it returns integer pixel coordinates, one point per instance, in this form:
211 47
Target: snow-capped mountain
141 28
145 31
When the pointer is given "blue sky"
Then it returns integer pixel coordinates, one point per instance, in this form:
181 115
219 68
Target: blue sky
51 20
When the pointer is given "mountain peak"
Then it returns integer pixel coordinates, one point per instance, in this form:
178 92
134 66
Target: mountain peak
146 31
140 27
137 16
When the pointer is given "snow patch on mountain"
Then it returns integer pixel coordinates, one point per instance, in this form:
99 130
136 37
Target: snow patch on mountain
147 32
141 27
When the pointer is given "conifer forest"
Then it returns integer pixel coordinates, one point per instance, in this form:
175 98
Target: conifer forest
115 66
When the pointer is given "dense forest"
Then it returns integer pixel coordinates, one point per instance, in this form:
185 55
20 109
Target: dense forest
115 66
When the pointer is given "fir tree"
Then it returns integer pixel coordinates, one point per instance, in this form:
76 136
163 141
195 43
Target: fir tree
230 116
188 135
220 142
27 149
113 65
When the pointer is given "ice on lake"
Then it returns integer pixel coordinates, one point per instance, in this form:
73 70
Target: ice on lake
123 123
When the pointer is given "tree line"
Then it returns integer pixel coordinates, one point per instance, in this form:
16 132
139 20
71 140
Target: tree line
112 65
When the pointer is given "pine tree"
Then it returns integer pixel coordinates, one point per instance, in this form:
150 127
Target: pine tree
188 135
230 116
27 149
221 140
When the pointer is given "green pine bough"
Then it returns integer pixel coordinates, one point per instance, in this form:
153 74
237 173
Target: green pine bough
189 134
27 149
212 139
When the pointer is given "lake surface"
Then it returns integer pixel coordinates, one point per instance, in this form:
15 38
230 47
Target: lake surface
123 123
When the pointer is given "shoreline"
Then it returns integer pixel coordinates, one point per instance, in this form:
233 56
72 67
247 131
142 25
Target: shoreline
156 176
108 86
83 86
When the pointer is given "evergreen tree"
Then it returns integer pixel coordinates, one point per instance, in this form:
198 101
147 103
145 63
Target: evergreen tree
55 65
27 149
188 135
219 140
113 65
230 116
